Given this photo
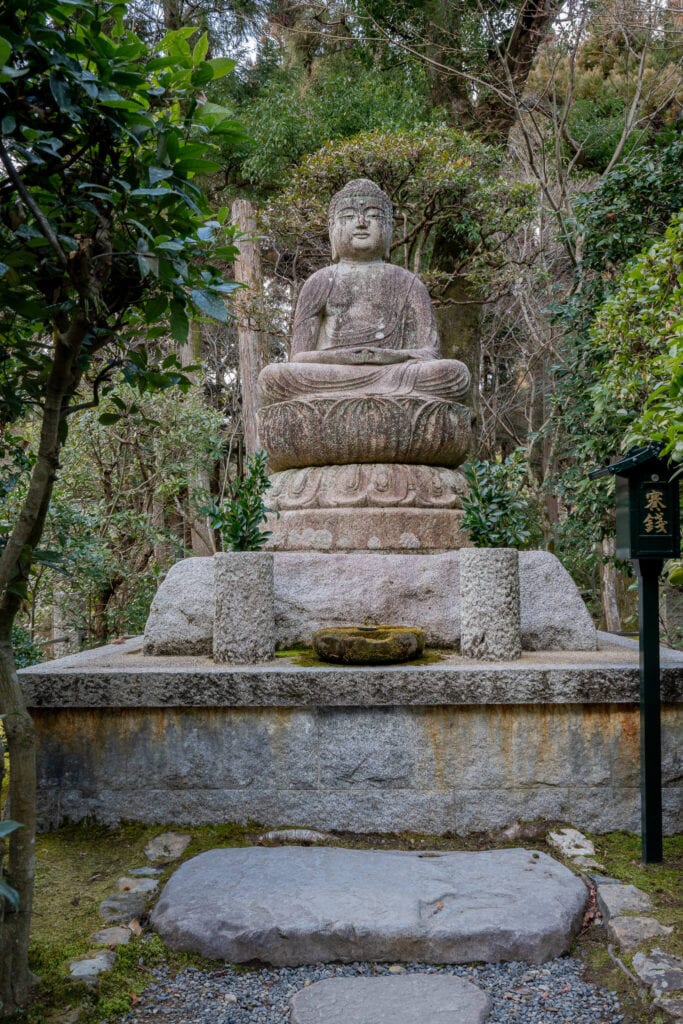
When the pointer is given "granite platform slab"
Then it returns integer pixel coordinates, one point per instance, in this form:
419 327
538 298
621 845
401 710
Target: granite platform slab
299 905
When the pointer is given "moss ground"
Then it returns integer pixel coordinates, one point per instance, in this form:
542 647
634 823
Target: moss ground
78 866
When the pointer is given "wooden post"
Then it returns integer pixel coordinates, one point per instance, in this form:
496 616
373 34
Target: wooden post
253 342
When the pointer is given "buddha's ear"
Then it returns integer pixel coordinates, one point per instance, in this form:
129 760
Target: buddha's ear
388 234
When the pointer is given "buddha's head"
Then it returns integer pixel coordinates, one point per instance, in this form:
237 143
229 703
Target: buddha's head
361 222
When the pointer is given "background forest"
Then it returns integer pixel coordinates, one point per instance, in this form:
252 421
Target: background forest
533 153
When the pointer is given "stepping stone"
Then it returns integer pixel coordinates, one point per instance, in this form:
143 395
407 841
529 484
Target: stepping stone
614 900
167 846
112 936
660 971
299 905
122 907
410 999
89 969
629 932
571 843
140 885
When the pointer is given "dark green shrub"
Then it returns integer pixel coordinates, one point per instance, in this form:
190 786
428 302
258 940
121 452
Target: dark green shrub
498 510
239 517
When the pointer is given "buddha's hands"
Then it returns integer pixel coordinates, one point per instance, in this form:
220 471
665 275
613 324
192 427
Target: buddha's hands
375 356
366 355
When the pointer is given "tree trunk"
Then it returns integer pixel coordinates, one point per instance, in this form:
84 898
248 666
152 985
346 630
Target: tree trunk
253 341
608 585
200 529
15 977
16 980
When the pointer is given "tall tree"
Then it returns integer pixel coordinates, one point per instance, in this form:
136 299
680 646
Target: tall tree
104 240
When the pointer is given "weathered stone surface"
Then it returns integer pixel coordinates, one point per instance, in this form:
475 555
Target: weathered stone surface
89 969
367 485
295 745
410 999
313 590
369 645
181 616
167 847
112 936
554 616
661 972
123 906
349 530
614 900
322 431
294 905
672 1007
244 622
141 885
489 604
629 932
145 872
571 843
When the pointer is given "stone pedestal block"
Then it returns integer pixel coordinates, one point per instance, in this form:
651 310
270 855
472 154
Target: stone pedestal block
321 431
387 530
244 617
489 604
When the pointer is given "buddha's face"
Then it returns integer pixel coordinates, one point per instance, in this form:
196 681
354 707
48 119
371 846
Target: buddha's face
359 231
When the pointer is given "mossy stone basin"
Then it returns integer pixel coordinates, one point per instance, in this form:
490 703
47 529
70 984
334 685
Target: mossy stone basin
368 645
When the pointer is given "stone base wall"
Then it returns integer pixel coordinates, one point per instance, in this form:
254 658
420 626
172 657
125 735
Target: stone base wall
436 769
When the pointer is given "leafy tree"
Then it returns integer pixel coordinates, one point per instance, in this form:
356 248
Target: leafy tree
120 511
104 242
292 113
438 180
639 331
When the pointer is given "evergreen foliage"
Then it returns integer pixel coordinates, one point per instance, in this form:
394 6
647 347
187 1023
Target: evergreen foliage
238 518
498 510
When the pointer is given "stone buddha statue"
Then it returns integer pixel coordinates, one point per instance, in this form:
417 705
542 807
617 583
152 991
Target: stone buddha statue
365 413
363 324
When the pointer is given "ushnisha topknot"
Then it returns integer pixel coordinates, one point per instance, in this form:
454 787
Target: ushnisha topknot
363 188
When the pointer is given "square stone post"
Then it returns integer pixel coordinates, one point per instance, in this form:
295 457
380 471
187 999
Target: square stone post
244 617
489 604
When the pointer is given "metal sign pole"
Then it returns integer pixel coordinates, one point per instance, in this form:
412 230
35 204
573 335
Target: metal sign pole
650 711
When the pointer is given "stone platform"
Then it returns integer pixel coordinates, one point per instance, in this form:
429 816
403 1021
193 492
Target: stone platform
451 746
297 905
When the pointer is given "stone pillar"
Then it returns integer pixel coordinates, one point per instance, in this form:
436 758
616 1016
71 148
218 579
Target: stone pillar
244 617
489 604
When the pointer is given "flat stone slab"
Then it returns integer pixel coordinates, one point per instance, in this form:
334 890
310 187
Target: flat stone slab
660 971
300 905
629 932
410 999
614 900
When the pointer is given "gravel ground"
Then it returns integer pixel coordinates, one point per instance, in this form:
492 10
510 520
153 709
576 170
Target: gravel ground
551 993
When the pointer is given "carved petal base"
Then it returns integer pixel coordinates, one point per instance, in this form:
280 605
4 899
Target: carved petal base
384 485
389 530
321 431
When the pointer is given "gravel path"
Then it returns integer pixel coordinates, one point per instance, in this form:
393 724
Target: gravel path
551 993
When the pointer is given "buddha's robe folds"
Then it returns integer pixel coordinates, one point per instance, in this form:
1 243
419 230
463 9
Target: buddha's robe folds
364 330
